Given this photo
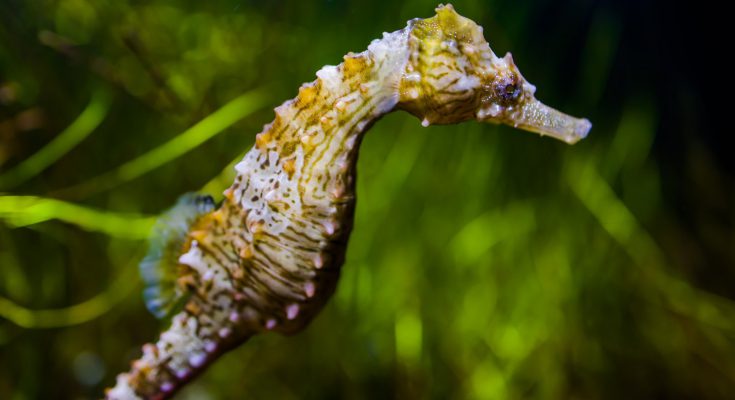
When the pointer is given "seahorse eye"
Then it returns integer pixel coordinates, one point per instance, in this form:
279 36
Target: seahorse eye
509 93
507 90
512 92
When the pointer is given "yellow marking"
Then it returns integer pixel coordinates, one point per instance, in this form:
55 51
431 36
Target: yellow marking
262 139
246 252
289 167
307 94
198 235
219 215
193 308
353 65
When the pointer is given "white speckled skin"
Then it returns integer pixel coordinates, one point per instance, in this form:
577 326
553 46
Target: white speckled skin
269 257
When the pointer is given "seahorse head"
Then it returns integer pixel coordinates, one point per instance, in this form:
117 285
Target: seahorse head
452 75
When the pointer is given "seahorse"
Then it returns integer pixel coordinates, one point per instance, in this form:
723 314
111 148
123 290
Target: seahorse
268 257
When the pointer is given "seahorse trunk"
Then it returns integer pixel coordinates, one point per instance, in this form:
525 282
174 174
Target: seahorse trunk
268 259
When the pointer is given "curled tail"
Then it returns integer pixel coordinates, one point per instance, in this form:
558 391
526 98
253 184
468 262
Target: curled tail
185 349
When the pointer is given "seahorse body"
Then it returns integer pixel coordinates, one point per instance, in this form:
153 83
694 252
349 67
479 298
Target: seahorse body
269 257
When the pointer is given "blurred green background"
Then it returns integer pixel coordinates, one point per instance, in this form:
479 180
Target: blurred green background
485 263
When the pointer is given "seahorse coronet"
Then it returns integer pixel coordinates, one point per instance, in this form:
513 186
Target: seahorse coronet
268 258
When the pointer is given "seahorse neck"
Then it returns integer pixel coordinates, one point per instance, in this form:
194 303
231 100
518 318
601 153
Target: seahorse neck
314 139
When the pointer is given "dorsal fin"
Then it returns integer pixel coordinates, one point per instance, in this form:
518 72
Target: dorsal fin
159 267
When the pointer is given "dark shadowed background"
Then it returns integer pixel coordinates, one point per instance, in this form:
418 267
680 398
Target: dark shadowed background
485 263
